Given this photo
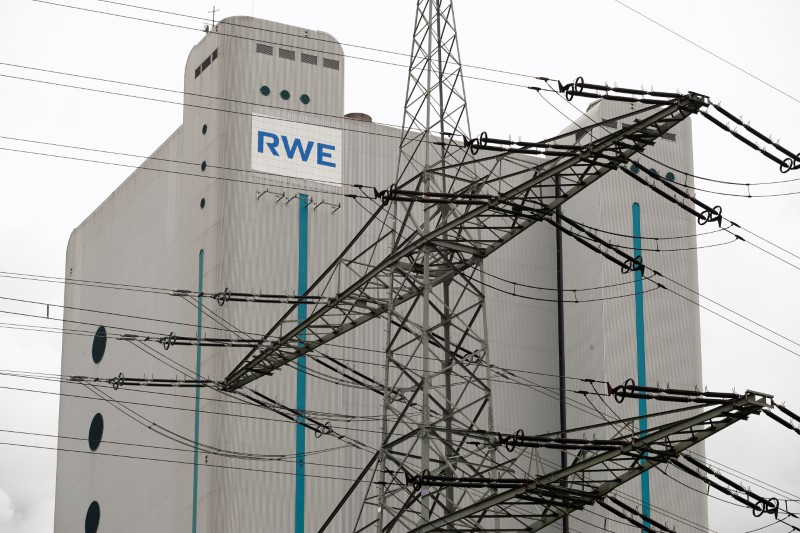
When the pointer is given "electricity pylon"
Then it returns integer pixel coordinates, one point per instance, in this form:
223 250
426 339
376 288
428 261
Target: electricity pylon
452 205
599 466
439 465
440 349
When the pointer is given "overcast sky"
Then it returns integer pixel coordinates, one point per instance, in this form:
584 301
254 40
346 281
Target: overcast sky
601 40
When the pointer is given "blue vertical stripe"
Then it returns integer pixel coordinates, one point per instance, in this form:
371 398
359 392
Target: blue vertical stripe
300 439
641 368
197 389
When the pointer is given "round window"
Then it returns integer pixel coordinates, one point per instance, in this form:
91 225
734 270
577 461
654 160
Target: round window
265 90
285 94
96 432
92 518
99 344
305 99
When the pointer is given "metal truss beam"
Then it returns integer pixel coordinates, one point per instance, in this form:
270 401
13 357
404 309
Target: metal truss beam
595 473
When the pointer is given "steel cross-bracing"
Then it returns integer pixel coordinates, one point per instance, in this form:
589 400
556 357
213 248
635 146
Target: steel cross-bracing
446 324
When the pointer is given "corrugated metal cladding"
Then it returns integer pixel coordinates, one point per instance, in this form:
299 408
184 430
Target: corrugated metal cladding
601 336
197 193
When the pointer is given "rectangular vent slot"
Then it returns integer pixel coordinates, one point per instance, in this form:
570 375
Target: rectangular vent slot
308 58
283 53
263 49
610 125
669 136
330 63
213 57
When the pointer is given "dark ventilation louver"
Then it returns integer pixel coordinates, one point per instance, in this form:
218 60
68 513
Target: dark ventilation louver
330 63
308 58
283 53
210 59
263 49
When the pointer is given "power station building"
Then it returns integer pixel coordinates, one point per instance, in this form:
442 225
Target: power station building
257 191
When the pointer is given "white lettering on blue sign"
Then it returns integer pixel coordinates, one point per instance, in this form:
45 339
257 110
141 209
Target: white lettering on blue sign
297 150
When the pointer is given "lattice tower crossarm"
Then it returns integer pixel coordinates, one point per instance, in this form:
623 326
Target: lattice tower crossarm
518 200
594 473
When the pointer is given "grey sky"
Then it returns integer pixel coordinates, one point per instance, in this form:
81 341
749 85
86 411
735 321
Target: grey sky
44 197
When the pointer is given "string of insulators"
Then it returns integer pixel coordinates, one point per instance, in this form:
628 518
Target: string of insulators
791 162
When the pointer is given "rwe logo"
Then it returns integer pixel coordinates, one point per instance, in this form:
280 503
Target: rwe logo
273 142
297 150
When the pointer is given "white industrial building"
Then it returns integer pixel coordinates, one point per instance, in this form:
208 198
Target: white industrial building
220 204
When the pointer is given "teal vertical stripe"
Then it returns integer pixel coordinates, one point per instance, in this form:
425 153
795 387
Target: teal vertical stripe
641 368
300 439
197 389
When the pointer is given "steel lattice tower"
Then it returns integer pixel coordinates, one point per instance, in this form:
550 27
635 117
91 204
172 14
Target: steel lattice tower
444 344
